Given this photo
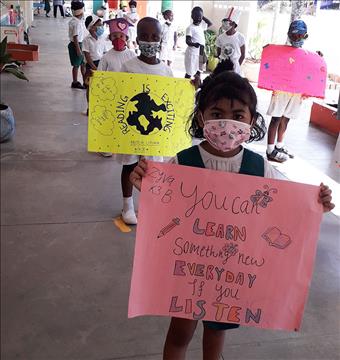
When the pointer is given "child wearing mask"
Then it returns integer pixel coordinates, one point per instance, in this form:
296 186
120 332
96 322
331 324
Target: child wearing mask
169 38
149 33
284 105
92 47
195 40
226 101
231 43
120 53
76 36
132 17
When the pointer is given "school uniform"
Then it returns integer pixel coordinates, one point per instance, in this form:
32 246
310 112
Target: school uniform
76 27
113 59
133 26
168 42
192 54
285 104
230 46
94 47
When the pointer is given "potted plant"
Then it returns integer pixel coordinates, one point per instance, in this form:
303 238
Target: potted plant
210 49
7 122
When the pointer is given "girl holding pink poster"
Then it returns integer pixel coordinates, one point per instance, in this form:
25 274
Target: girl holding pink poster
224 118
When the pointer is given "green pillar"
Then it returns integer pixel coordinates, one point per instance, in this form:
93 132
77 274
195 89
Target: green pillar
166 5
97 5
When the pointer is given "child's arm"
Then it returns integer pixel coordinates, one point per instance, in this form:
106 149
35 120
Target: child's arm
89 60
138 173
76 44
243 54
189 42
175 40
325 198
207 21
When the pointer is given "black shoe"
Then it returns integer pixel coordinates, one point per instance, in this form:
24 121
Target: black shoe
77 85
284 150
277 156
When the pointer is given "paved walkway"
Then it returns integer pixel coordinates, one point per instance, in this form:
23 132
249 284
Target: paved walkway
66 267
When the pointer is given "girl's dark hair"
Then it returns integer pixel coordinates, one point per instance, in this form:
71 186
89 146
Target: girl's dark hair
133 3
223 84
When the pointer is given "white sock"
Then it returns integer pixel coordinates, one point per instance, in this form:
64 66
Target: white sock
279 145
128 203
270 148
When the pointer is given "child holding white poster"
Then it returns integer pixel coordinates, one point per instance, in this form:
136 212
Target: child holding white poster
225 117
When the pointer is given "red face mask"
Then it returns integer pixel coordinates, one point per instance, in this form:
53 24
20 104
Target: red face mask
119 44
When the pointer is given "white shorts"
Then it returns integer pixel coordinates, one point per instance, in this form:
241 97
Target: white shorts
125 159
285 104
191 62
167 53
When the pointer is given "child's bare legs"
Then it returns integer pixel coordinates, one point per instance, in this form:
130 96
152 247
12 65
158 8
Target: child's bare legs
83 71
128 213
75 74
282 129
213 341
178 338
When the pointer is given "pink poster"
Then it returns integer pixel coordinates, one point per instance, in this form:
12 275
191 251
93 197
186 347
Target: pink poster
292 70
224 247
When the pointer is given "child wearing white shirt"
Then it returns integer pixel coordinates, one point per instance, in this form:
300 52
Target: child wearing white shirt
169 38
195 40
231 43
76 36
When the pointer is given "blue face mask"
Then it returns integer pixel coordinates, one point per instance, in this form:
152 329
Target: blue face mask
100 31
297 44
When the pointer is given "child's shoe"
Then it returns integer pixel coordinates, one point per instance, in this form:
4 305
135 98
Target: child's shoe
277 156
129 217
285 151
77 85
105 154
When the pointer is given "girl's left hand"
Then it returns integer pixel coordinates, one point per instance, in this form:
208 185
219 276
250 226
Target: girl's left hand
325 198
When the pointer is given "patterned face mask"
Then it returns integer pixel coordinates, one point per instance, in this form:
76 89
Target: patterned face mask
226 134
149 49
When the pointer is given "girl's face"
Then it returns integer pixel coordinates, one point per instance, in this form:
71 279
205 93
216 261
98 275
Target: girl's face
94 28
118 35
227 109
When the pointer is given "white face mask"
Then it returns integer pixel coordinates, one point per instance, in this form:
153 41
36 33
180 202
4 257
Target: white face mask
226 134
133 10
227 26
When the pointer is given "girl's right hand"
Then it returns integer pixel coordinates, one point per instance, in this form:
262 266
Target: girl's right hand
138 173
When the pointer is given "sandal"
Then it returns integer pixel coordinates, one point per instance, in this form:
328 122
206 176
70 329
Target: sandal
285 151
277 156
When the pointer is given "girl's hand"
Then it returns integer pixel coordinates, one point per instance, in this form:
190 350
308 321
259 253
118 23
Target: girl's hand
138 173
325 198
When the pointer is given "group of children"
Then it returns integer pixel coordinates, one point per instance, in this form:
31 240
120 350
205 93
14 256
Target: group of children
225 101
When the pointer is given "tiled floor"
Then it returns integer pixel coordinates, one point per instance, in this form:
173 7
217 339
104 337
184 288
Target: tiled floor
65 268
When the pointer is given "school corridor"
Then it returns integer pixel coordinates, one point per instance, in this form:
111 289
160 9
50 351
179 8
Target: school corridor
66 266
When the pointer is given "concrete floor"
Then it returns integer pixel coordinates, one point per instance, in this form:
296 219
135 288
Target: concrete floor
65 267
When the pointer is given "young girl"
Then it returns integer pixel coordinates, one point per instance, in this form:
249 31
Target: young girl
225 116
169 38
119 54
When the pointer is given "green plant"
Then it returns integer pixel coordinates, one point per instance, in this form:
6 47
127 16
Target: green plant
7 64
210 43
256 43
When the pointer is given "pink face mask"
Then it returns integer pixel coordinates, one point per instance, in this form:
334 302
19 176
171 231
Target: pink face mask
225 134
